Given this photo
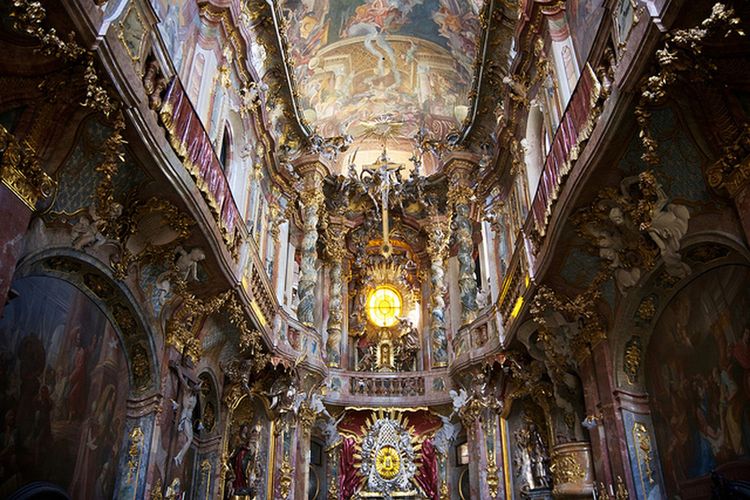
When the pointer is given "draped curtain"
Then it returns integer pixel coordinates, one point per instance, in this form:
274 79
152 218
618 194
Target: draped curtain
427 473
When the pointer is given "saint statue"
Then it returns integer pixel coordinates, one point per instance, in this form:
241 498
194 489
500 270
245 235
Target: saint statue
244 467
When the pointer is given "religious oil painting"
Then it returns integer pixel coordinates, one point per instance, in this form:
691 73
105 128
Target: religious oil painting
698 369
63 386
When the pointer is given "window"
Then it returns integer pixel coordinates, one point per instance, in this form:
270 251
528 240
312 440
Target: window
462 454
383 306
224 151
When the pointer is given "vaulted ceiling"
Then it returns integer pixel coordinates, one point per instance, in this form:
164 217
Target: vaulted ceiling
381 70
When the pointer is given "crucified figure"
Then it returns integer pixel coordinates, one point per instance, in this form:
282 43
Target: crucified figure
189 399
387 175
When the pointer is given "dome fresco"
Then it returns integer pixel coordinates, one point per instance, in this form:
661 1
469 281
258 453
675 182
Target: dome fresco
407 62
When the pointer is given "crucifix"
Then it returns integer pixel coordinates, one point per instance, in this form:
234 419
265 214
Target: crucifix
384 170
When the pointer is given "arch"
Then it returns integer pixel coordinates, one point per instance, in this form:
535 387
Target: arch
629 321
113 298
640 376
39 490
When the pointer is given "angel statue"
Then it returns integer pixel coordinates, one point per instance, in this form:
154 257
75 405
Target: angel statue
459 400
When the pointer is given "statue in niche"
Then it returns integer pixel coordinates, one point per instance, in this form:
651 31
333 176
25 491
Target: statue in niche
408 346
245 470
531 459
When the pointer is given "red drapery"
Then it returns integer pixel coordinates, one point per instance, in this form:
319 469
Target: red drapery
427 473
348 477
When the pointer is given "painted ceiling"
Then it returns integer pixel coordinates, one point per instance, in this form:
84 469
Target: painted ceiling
382 68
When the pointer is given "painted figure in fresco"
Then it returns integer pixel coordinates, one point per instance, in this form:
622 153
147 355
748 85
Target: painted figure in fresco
61 403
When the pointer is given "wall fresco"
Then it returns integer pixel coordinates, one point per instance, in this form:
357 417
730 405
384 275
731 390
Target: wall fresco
62 391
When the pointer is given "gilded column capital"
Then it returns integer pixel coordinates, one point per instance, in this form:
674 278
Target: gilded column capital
312 164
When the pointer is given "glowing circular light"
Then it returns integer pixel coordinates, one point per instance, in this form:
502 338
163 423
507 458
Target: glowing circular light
387 462
384 306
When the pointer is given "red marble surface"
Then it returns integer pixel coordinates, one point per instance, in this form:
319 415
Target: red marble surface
15 217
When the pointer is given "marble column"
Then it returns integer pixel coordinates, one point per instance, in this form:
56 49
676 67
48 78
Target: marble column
136 473
485 450
305 421
438 232
460 195
609 454
311 197
336 249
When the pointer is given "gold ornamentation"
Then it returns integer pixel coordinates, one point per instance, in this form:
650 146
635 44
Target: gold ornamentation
621 491
387 462
134 453
132 32
285 478
647 308
566 469
20 170
681 54
156 491
493 482
643 450
632 359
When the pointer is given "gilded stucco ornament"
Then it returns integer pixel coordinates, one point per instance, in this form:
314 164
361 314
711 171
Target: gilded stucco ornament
681 57
20 170
632 359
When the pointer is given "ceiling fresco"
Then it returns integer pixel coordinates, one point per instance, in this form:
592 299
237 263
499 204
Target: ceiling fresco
359 64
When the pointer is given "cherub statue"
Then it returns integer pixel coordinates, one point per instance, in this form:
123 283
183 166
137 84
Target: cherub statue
87 231
187 262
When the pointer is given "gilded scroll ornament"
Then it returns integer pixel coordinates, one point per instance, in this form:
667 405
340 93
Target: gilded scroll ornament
643 450
566 469
20 171
632 359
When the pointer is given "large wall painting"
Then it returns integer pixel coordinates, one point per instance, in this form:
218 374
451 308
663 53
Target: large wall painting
698 374
358 62
63 386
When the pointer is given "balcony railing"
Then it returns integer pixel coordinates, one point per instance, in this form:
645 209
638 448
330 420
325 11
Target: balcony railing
192 144
386 386
575 128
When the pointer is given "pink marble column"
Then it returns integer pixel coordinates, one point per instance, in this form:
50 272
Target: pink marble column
608 440
486 463
15 217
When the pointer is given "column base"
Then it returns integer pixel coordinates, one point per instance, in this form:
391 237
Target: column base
538 493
